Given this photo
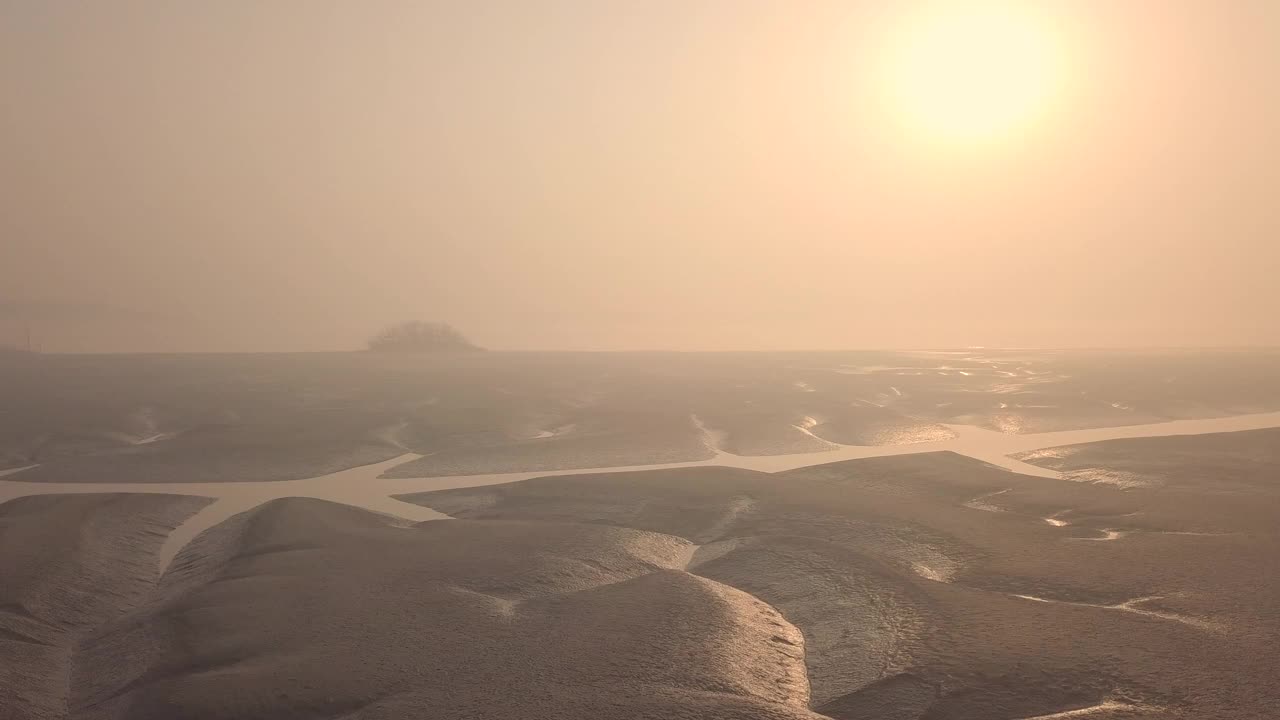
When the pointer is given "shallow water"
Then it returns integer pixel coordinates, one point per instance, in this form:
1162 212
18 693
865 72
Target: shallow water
364 487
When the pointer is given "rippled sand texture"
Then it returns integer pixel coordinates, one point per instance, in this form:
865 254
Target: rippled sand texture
920 586
68 566
916 602
307 609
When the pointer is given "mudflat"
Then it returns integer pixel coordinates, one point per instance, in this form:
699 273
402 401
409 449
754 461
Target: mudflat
652 548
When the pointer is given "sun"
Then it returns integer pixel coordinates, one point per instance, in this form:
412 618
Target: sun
967 71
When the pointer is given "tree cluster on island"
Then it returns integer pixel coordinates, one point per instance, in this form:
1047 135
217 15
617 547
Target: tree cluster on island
421 336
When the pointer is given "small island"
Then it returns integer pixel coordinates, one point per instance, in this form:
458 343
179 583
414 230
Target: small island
417 336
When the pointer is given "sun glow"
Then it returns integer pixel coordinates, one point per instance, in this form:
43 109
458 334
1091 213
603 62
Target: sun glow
972 72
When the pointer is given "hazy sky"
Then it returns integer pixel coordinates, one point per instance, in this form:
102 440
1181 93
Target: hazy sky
617 174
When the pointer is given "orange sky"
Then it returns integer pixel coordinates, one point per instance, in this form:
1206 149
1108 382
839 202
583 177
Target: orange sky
672 174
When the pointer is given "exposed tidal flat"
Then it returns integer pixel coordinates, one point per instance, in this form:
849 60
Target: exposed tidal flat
672 554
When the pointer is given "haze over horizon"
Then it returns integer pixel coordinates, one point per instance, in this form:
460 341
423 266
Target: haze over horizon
725 174
909 360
